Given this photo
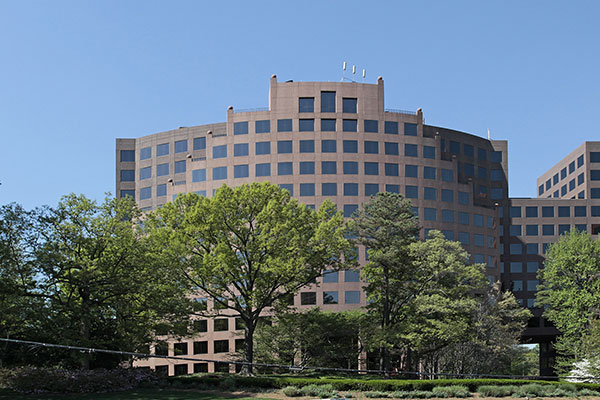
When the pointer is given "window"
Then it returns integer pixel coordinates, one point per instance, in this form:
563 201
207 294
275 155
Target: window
284 125
219 173
181 146
350 189
548 212
482 172
447 175
263 169
145 153
199 175
200 143
580 211
371 125
595 175
580 178
595 211
371 147
263 126
478 220
306 104
531 212
563 173
429 152
351 275
563 190
571 167
516 286
412 192
496 175
478 240
515 212
307 189
547 230
349 209
306 125
532 285
352 297
391 169
146 172
329 189
350 168
391 148
430 214
581 227
371 168
308 298
580 161
307 146
330 277
221 346
161 190
371 189
162 149
549 184
349 105
240 171
481 154
392 188
496 156
429 193
595 193
540 190
515 230
463 218
328 167
410 150
221 324
307 168
532 248
564 211
532 266
263 148
391 127
468 169
447 195
162 169
240 149
146 193
330 297
350 146
201 347
410 129
128 155
531 230
287 186
220 151
497 193
448 234
581 195
328 125
454 147
563 228
411 171
554 181
463 198
429 172
447 216
180 167
327 101
284 146
349 125
516 267
463 238
240 128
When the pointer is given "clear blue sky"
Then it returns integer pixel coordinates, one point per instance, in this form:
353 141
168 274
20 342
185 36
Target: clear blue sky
75 75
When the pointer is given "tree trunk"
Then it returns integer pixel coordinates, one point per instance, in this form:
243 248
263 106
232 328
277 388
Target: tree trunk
84 328
247 369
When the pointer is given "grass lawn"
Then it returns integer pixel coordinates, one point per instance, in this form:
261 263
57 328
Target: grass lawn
143 394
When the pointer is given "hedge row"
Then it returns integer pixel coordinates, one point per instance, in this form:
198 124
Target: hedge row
344 384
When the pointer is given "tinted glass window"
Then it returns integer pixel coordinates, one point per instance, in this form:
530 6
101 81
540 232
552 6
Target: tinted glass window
371 125
349 105
307 189
179 167
430 214
454 147
307 146
285 168
448 195
240 149
371 168
219 173
181 146
129 155
162 169
496 156
146 172
429 172
392 188
328 146
429 193
463 198
128 175
580 211
161 190
469 151
162 149
496 175
240 171
410 150
410 129
146 153
349 125
263 148
531 212
284 146
199 175
240 128
263 126
350 146
429 152
411 171
263 169
371 147
548 212
284 125
481 154
391 148
287 186
306 104
391 169
328 167
328 125
307 167
350 189
391 127
200 143
447 175
564 211
146 193
580 179
412 192
371 189
350 168
580 161
327 101
306 125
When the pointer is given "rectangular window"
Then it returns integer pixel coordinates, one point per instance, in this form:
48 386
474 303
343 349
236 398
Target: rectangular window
454 147
412 192
540 190
330 297
531 230
221 346
468 169
464 238
181 146
497 193
563 173
306 125
330 277
478 220
371 126
221 324
146 193
391 127
564 211
447 195
496 175
328 167
478 240
580 179
308 298
284 125
410 129
219 173
580 161
307 146
350 168
145 153
328 146
263 126
532 248
349 105
162 149
349 209
199 175
392 188
220 151
161 190
240 149
563 228
410 150
548 230
447 216
571 167
306 104
391 169
371 189
554 181
516 286
200 143
482 172
429 172
515 212
548 212
162 169
284 146
329 189
240 128
180 167
351 275
463 218
430 214
411 171
371 147
328 125
391 148
469 150
327 101
429 193
595 193
515 230
463 198
285 168
429 152
350 146
352 297
531 212
581 195
496 156
263 169
371 168
532 266
201 347
516 267
240 171
287 186
563 190
307 189
145 173
349 125
481 154
580 211
350 189
262 148
447 175
307 167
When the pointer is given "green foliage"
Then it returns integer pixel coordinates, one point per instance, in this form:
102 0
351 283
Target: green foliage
570 292
451 391
320 391
291 391
375 395
496 391
249 247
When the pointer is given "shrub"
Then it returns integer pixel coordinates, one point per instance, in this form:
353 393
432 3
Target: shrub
402 394
422 394
531 390
496 391
558 392
375 395
588 392
451 391
292 391
228 384
321 391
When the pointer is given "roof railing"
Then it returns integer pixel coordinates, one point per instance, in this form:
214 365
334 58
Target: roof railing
241 110
396 111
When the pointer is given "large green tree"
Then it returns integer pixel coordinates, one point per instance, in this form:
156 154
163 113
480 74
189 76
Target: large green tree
570 292
248 247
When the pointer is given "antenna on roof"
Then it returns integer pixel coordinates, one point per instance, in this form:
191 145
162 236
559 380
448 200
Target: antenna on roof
489 136
343 69
364 75
353 72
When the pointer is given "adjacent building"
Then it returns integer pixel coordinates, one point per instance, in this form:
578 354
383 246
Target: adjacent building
337 140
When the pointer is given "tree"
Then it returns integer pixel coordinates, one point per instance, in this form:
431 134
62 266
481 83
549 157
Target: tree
386 226
570 290
248 247
94 279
